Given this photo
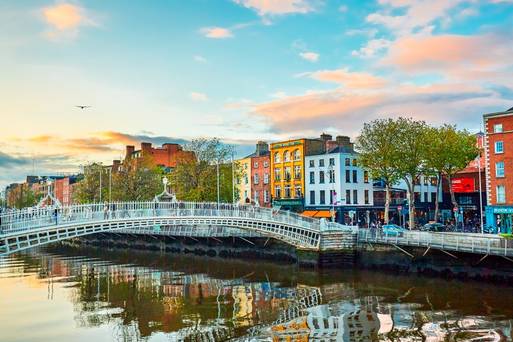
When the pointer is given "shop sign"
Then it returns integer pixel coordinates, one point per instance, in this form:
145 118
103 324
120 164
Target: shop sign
284 202
463 185
503 210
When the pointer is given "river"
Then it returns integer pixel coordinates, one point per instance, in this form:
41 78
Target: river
63 293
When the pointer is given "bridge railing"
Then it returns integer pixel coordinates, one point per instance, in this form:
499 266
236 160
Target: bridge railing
33 218
460 242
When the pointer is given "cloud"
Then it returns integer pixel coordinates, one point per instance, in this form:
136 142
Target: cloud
200 59
65 19
372 48
347 78
310 56
278 7
343 8
7 160
198 96
216 32
451 54
369 32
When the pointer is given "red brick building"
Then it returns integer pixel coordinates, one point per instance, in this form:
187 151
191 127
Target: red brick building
260 175
167 156
499 169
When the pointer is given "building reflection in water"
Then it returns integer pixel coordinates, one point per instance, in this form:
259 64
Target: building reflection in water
143 301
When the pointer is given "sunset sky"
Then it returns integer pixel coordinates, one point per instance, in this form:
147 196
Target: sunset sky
240 70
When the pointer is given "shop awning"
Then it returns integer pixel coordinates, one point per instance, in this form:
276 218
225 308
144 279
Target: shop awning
317 213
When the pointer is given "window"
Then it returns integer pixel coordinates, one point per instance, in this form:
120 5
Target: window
321 162
297 155
255 165
355 176
354 162
266 178
497 128
312 177
277 192
287 191
331 174
348 196
321 177
277 174
348 176
499 169
332 161
355 196
433 197
266 196
348 162
366 196
287 174
366 177
501 194
499 147
425 197
297 192
255 197
277 158
322 199
255 179
312 197
266 164
333 196
245 194
312 163
425 179
245 166
246 180
297 172
286 156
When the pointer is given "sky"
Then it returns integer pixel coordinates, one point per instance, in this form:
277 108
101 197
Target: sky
240 70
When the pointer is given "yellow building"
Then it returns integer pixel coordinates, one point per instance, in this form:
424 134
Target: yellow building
287 170
244 181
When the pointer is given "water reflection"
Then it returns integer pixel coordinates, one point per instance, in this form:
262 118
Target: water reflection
130 295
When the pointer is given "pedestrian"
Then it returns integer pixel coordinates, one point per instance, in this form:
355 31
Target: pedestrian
105 211
55 214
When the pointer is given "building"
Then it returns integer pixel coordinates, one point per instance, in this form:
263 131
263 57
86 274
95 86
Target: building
167 156
287 165
63 189
335 181
254 183
499 170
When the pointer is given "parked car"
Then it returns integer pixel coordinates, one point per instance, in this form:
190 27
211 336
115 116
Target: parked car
434 227
393 230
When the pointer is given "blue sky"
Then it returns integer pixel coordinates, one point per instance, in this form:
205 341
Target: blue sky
241 70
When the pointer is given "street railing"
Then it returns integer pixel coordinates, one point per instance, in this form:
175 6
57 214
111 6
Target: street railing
17 221
460 242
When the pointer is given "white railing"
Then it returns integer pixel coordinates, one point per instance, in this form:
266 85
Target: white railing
32 218
461 242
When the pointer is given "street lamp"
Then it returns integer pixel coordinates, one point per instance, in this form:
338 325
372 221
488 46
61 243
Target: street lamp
164 182
333 194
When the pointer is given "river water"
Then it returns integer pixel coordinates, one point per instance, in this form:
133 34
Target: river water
63 293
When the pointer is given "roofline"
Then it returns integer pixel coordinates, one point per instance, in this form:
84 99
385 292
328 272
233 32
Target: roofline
503 113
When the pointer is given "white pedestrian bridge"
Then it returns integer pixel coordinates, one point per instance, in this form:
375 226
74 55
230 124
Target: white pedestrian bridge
36 226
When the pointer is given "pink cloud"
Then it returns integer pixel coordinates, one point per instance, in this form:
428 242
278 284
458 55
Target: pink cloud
276 7
65 19
216 32
349 79
309 56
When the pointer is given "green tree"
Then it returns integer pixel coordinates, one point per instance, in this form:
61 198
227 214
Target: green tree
24 196
195 179
138 179
378 149
450 151
413 143
88 188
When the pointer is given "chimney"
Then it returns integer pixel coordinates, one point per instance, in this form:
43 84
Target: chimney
129 150
115 165
326 137
345 141
261 148
145 148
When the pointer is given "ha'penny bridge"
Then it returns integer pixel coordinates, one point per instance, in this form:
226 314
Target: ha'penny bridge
37 226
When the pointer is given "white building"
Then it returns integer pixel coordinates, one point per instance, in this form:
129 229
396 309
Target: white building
335 179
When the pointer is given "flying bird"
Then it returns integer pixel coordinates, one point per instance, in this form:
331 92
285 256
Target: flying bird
83 107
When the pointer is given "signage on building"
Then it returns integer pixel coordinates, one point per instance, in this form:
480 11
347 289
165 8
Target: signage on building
286 144
463 184
288 201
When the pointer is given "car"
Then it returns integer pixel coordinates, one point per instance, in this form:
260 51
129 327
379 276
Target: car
434 227
393 230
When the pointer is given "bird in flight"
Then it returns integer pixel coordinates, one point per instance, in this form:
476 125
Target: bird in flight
83 107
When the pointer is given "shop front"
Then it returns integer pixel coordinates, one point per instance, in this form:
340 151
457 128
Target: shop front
290 204
499 219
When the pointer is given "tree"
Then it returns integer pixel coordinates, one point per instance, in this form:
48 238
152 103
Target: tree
195 179
23 196
138 179
413 144
379 153
450 151
88 188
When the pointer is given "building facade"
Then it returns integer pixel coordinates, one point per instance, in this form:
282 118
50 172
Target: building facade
254 182
288 171
499 170
244 180
168 156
